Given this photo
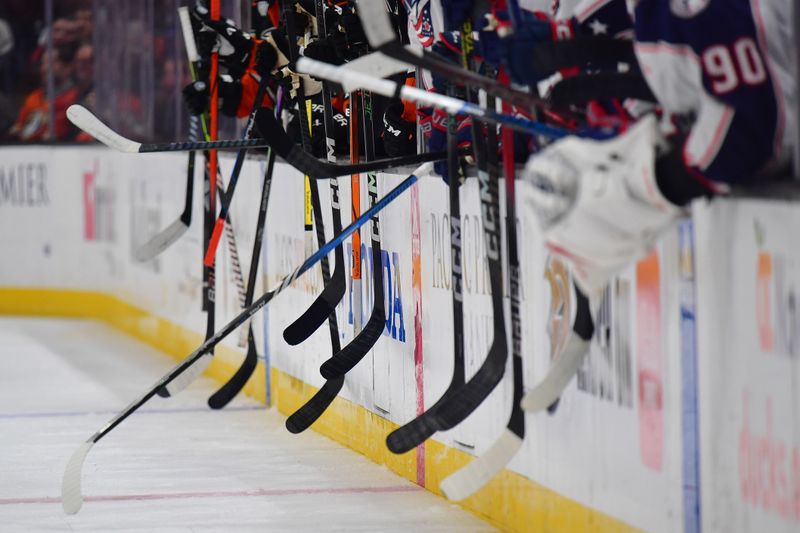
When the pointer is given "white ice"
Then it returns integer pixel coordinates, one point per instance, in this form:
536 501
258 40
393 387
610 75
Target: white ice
175 465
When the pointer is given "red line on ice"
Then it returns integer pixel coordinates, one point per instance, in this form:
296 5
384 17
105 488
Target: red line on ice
217 494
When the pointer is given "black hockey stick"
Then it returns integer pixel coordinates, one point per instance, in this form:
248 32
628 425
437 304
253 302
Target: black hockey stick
350 355
453 408
231 388
469 479
354 352
71 497
333 291
415 432
466 399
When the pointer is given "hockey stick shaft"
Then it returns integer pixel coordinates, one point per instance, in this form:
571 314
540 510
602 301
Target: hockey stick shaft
71 484
450 104
88 122
237 169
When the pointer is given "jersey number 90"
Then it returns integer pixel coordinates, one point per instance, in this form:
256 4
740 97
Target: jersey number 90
728 67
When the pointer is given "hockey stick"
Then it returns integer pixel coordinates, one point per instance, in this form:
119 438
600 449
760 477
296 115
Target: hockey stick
450 104
163 240
415 432
237 170
71 497
580 50
454 407
333 291
567 364
231 388
236 383
354 352
471 478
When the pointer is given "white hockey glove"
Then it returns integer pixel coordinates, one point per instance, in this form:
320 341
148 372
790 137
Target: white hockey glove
598 202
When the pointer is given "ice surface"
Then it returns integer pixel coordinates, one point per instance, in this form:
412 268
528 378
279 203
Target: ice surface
176 465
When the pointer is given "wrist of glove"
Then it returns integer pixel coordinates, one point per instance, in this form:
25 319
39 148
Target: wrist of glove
399 135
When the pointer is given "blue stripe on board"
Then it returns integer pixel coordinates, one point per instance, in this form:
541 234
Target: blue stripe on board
689 419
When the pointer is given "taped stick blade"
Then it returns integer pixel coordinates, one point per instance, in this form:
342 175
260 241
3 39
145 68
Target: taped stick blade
88 122
71 497
160 242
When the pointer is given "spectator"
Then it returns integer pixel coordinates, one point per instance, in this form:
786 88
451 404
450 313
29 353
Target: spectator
32 122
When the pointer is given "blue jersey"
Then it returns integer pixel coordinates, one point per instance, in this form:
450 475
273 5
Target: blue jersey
726 63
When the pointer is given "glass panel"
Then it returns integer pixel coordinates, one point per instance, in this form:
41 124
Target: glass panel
123 59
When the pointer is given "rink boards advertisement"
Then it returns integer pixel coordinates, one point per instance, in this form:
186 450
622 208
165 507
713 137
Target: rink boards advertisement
683 417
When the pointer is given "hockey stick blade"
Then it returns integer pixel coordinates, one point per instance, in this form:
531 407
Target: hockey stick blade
231 388
567 364
71 498
186 378
71 484
465 482
353 353
325 304
161 241
88 122
349 356
302 419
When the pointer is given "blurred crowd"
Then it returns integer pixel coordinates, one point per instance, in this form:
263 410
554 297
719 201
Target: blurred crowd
40 64
45 68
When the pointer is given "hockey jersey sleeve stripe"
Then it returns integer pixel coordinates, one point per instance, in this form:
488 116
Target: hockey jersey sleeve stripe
707 136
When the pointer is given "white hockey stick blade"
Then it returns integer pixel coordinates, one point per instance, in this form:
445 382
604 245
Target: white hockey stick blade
160 242
71 498
375 64
559 376
88 122
189 376
467 481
